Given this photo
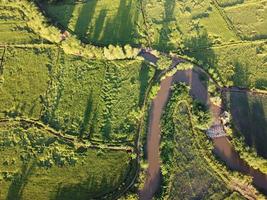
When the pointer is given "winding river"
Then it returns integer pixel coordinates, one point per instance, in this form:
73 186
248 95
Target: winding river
222 146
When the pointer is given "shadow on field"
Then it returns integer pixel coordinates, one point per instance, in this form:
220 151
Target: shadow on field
100 21
248 113
91 188
164 33
250 120
87 115
65 11
121 29
85 18
193 45
143 79
18 184
261 84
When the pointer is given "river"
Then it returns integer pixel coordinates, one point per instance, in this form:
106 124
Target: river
222 146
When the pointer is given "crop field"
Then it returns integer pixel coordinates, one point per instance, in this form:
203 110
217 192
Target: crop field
23 82
249 118
77 81
246 67
249 19
173 23
100 22
14 22
109 93
34 163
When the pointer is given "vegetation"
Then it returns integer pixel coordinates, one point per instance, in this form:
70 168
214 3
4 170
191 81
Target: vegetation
35 163
248 127
187 162
74 91
101 22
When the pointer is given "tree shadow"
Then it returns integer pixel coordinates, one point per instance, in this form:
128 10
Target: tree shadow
18 184
261 84
85 18
88 189
100 22
248 113
106 129
58 18
121 29
194 48
250 120
164 33
87 115
241 75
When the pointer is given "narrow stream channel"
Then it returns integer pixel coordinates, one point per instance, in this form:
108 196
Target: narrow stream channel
222 146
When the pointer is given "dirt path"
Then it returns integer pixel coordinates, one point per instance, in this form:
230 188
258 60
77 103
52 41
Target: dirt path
223 147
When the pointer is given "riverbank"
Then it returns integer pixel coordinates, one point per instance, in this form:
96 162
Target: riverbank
198 91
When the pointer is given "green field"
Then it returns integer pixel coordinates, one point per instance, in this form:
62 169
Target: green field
73 96
14 22
108 94
23 82
246 67
249 19
100 22
35 163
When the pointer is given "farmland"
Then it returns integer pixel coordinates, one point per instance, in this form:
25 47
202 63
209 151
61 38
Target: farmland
36 163
60 112
78 80
101 22
249 122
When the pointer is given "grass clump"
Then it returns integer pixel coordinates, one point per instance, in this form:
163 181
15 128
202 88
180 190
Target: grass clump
25 78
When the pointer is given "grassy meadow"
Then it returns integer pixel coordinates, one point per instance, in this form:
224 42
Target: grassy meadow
100 22
35 163
109 93
249 19
24 79
14 22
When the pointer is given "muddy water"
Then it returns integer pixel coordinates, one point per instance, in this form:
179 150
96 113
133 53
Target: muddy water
153 141
225 150
223 147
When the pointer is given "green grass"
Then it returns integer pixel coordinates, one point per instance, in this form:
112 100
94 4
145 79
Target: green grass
34 163
220 33
25 78
171 23
13 22
250 19
246 67
101 22
241 64
74 93
96 98
225 3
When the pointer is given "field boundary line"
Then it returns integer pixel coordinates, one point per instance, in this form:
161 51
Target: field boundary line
2 62
70 140
226 19
34 45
